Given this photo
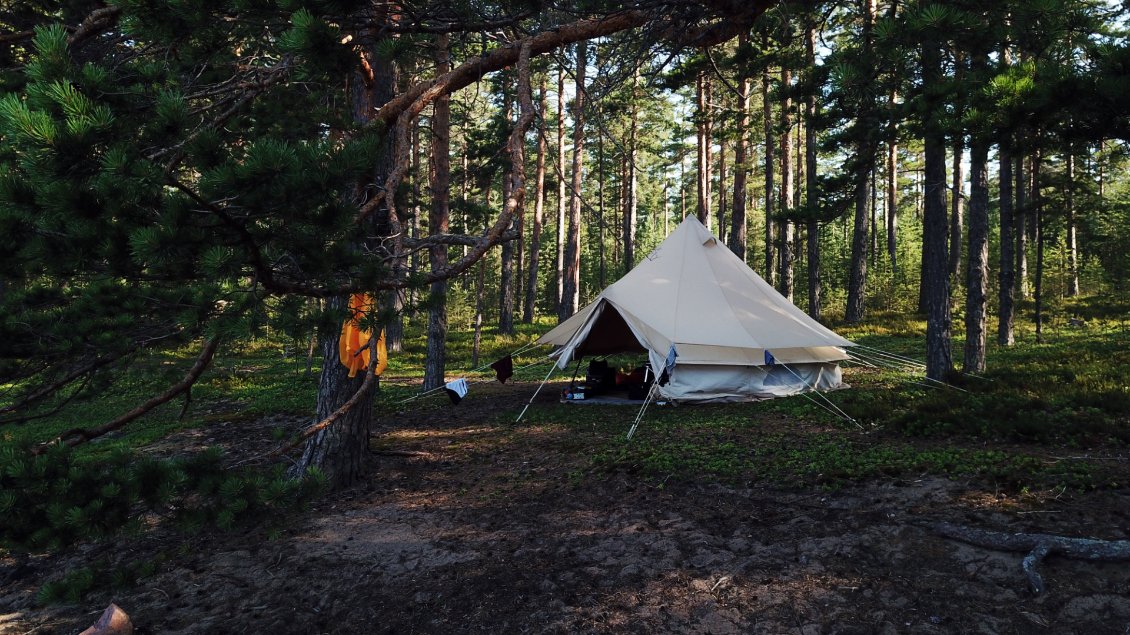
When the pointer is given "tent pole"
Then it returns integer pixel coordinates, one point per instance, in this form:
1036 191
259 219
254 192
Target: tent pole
540 386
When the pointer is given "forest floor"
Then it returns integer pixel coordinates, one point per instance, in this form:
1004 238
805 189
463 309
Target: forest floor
467 522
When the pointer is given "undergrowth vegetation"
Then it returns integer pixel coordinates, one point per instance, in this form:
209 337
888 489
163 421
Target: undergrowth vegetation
1031 421
59 498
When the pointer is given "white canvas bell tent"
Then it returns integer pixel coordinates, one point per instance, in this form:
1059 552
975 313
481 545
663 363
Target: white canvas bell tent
698 311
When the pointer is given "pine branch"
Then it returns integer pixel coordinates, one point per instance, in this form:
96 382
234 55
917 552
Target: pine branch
79 436
421 95
50 389
98 21
254 88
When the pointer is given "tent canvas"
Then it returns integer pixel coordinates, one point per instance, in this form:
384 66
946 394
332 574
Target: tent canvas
733 336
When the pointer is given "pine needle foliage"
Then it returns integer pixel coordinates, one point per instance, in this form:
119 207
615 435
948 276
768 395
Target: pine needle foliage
60 498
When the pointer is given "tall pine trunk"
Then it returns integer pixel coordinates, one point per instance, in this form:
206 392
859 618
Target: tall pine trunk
1072 244
630 182
1038 208
1006 283
703 163
787 174
936 280
539 217
1020 216
864 162
572 288
559 293
957 207
770 272
815 308
892 188
857 273
977 270
721 233
438 221
506 282
738 238
339 450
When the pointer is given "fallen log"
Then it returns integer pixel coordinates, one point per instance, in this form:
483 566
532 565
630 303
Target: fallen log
1038 547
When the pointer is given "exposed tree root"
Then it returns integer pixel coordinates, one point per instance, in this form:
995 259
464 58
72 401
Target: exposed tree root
1038 547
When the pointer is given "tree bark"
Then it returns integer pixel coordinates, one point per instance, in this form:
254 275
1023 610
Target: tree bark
477 338
721 233
439 215
738 238
977 271
864 162
339 450
770 271
1006 278
786 229
815 305
936 280
1020 216
539 215
506 282
1038 205
957 207
1072 244
572 289
559 294
631 204
892 188
704 153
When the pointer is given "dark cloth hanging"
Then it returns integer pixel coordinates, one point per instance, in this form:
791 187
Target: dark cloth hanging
503 369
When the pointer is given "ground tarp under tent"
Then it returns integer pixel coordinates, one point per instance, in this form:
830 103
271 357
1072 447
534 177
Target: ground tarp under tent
712 329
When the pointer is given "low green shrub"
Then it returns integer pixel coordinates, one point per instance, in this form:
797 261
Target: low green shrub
59 497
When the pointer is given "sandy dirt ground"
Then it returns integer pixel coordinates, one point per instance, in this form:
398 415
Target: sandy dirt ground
468 529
